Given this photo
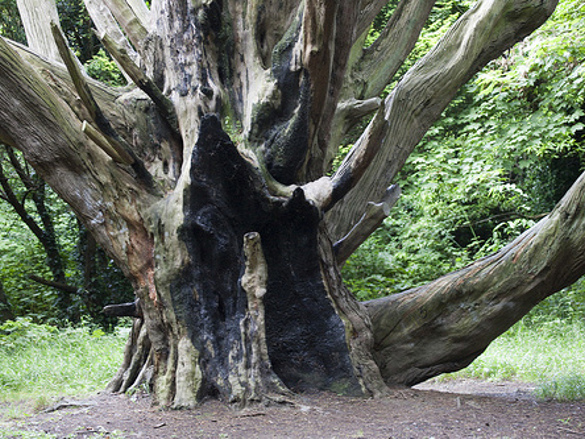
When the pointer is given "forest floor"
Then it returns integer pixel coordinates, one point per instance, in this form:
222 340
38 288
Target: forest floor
448 409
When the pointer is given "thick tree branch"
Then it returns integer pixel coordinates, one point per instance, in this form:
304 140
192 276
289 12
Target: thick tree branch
328 37
369 10
58 285
372 68
74 70
36 17
127 111
164 104
109 145
47 131
453 319
380 62
106 24
124 152
480 35
133 17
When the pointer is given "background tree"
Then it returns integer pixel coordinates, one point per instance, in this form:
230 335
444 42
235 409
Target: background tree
82 279
208 187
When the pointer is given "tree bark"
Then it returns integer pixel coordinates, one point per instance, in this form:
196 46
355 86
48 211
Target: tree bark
224 236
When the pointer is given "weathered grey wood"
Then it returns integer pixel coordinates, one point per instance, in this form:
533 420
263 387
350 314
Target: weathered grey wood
106 24
133 17
370 221
146 84
380 62
36 16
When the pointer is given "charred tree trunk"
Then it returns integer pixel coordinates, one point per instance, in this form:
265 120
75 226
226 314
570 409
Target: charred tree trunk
226 238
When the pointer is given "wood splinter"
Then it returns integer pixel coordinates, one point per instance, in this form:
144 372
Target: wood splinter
112 148
371 219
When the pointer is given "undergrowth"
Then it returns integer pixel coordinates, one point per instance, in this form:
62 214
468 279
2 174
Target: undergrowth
41 362
542 349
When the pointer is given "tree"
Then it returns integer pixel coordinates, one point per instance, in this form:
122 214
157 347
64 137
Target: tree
82 278
5 308
207 181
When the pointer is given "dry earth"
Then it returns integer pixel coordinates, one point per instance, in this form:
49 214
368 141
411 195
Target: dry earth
460 409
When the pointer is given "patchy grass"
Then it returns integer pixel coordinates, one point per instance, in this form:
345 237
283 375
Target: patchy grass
39 363
12 433
551 354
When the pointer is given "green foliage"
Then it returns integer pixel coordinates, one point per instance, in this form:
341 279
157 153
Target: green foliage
39 359
81 266
10 24
77 26
102 68
20 254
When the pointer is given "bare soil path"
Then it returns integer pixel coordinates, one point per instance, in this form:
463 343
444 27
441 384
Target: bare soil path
459 409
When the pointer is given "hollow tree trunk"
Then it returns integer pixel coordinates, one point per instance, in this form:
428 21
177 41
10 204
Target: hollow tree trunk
225 238
288 330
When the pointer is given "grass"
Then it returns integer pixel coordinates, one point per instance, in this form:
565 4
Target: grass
550 354
39 363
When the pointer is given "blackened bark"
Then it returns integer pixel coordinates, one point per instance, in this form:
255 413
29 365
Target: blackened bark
225 201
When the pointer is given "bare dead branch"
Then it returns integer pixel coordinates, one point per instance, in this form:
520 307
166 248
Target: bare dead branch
106 24
133 17
74 70
123 150
380 62
164 104
36 17
109 145
130 309
354 110
369 10
58 285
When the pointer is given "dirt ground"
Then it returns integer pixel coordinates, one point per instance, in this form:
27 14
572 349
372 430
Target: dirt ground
460 409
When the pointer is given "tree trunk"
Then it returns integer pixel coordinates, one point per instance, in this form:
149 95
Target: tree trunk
225 237
240 356
5 308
